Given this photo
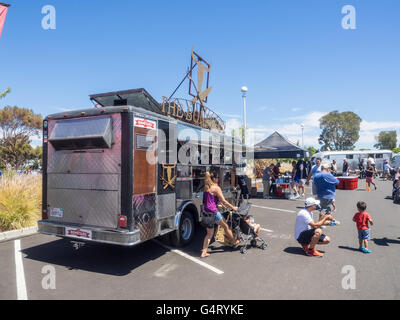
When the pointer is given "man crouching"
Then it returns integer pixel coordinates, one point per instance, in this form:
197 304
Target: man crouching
307 232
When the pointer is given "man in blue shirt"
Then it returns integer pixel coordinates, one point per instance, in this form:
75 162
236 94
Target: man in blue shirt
325 184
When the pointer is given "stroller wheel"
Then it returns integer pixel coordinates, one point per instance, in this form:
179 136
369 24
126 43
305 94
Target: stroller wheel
253 243
243 250
264 246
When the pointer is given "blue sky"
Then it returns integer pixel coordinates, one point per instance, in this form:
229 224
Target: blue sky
294 56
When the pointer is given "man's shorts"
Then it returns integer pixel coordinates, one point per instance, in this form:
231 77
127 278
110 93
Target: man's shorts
314 189
369 179
326 206
305 236
363 234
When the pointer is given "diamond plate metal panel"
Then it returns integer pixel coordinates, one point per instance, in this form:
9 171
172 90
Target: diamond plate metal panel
144 213
87 207
86 184
109 182
166 205
106 160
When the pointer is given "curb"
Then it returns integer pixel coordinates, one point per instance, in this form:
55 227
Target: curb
15 234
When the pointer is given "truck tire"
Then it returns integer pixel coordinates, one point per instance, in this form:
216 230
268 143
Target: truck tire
185 232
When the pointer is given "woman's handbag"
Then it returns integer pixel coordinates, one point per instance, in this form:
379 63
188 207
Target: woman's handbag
208 219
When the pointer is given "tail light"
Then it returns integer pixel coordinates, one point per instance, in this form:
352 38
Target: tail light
122 222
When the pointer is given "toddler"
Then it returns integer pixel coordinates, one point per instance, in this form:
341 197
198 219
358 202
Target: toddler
362 218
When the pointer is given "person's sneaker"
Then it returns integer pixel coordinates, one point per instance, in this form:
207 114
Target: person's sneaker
337 222
323 227
305 248
366 250
361 248
296 196
315 253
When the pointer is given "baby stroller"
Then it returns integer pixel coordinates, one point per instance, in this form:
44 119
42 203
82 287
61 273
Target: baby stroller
396 192
242 230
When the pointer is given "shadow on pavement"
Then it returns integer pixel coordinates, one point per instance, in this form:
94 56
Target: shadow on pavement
348 248
195 247
98 258
295 250
385 241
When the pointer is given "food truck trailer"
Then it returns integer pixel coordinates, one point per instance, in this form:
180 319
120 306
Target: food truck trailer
111 173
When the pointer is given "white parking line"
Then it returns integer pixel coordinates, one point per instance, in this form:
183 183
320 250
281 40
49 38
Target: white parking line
269 208
203 264
19 269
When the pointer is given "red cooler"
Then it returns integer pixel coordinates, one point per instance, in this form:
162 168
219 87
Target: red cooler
341 183
351 183
347 183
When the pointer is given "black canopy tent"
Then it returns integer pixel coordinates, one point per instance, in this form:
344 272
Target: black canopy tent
276 146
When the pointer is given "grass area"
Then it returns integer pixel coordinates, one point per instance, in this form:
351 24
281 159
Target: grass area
20 201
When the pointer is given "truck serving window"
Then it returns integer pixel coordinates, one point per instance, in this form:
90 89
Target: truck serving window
90 133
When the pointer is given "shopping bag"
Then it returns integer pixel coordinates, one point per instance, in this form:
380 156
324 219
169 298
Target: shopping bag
220 235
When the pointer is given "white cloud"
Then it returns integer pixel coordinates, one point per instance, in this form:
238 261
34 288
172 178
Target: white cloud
291 128
265 109
376 125
235 116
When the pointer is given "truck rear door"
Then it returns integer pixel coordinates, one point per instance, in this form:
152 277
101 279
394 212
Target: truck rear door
84 170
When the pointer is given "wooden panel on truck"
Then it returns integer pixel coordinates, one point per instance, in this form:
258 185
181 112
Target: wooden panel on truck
144 169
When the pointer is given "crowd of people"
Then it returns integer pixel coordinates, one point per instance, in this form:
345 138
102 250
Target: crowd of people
324 182
309 233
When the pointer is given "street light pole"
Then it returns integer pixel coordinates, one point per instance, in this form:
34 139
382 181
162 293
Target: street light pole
244 93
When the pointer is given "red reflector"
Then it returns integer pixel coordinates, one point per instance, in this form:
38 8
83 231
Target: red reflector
44 214
122 221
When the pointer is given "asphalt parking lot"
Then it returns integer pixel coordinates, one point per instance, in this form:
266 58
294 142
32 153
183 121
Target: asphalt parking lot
153 271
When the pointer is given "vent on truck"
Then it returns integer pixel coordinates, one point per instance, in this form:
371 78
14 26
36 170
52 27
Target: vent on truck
85 133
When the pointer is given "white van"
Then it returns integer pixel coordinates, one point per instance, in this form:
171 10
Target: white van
353 157
395 162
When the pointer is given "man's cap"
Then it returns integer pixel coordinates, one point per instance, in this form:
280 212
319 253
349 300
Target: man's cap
310 202
326 164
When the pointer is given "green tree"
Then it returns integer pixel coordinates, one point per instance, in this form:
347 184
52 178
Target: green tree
238 133
36 158
312 151
386 140
340 131
396 150
15 151
17 125
3 94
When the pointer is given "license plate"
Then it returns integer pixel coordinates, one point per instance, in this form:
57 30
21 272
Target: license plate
56 212
78 233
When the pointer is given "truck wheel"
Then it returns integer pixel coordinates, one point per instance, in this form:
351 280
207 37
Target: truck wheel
185 232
